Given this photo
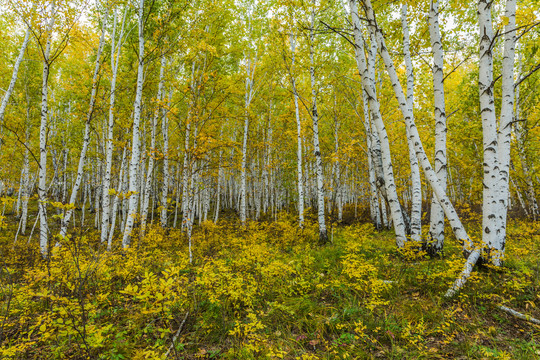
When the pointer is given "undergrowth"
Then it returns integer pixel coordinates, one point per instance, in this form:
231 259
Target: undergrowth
266 292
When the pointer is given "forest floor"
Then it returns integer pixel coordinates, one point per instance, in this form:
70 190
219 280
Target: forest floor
267 292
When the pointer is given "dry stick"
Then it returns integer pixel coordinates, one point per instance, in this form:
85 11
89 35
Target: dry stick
176 334
519 315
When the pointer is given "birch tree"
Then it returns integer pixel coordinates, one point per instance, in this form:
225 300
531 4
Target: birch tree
42 186
116 47
135 142
300 177
416 185
15 73
436 228
323 236
368 86
86 137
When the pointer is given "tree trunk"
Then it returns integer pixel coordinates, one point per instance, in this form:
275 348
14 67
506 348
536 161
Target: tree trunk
86 137
15 72
152 151
42 185
436 227
323 236
416 185
135 151
106 213
368 84
300 177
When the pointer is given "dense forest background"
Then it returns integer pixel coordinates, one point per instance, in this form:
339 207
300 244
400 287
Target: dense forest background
280 179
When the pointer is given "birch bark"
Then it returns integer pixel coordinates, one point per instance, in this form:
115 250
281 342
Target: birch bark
323 236
14 74
165 190
42 184
135 152
436 228
368 84
504 136
151 153
416 185
115 48
86 137
248 97
430 174
491 220
300 177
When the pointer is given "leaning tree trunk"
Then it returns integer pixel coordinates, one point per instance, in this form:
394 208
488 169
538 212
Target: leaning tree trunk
470 251
368 84
14 74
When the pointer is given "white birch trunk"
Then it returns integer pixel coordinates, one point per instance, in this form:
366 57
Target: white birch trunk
14 74
117 197
115 48
25 195
300 176
368 83
151 152
249 92
416 185
42 184
185 168
135 152
165 190
323 236
86 137
431 176
373 194
436 227
243 180
491 225
504 137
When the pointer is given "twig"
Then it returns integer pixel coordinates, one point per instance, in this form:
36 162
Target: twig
519 315
176 334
